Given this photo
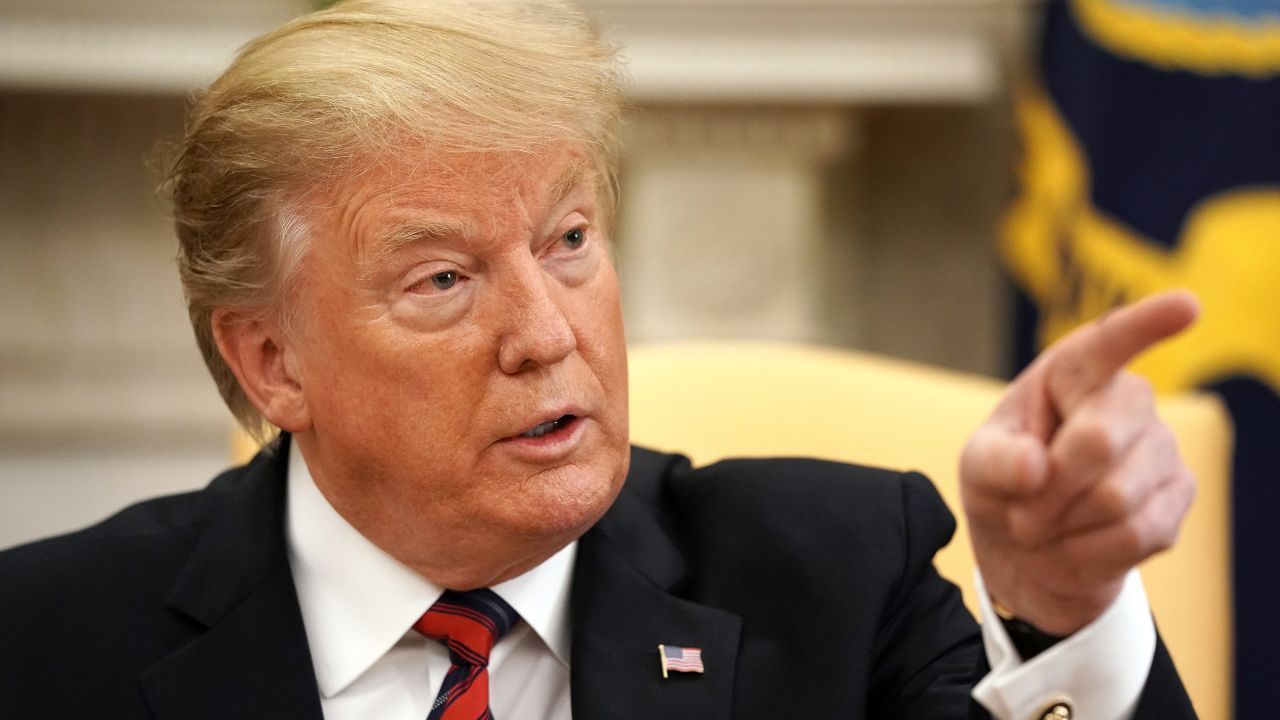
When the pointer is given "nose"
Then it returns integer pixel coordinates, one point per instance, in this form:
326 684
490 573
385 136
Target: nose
538 331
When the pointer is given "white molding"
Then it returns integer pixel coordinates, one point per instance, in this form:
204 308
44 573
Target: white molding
66 55
715 51
849 70
812 51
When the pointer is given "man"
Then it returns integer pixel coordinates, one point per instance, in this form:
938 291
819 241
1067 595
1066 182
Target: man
393 222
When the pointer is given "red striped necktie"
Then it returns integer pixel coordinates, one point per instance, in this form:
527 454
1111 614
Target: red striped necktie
468 624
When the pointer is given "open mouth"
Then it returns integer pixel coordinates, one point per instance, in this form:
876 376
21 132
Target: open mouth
549 427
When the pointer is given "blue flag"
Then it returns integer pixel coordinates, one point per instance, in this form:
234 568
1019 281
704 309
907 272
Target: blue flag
1152 160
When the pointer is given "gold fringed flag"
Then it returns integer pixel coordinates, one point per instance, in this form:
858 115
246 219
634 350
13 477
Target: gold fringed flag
1151 160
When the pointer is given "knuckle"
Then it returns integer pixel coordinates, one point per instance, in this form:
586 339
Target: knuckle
999 463
1130 540
1082 445
1139 388
1166 514
1111 502
1093 441
1026 466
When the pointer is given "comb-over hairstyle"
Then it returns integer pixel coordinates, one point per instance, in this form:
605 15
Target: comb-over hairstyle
331 94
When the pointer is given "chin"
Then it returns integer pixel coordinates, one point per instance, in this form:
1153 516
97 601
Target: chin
570 501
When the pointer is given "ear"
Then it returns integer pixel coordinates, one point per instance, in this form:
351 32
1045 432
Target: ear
264 364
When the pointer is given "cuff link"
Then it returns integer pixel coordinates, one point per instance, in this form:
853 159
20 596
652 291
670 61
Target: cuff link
1059 709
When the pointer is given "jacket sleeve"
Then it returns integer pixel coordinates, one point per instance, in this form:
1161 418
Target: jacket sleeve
929 652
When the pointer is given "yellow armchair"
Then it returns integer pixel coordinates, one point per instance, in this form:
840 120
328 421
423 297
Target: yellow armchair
716 400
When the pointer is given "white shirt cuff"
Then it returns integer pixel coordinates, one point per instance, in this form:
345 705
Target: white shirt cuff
1100 670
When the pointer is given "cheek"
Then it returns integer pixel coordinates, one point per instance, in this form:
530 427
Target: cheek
604 347
386 386
613 335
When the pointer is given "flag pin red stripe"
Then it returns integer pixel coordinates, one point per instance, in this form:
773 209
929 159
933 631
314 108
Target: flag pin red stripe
679 659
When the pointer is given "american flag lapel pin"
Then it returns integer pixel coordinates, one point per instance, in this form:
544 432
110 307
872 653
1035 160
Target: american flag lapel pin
679 659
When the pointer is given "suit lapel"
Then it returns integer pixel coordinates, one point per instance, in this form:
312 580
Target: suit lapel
252 659
623 606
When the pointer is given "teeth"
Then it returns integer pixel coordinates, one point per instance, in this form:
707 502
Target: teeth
547 427
542 429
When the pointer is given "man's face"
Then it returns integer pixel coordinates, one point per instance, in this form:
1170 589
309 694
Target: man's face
460 351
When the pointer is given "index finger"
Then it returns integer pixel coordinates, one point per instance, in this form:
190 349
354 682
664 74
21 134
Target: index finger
1090 356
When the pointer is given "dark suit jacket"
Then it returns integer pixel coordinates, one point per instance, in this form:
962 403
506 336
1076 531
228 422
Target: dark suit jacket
808 585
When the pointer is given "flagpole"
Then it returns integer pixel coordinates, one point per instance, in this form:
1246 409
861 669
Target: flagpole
662 658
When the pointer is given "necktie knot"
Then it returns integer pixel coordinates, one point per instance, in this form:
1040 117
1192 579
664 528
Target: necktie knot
468 623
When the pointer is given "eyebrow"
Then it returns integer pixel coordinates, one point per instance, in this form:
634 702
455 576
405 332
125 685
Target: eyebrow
419 232
435 230
572 177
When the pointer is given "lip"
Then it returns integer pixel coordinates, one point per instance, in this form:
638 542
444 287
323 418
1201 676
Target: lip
554 445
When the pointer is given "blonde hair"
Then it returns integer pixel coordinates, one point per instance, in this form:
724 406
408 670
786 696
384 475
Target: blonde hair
317 100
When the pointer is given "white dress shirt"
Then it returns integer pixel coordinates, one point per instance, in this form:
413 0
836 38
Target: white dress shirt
359 605
1100 670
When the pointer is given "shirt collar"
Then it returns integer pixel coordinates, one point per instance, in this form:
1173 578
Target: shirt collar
357 601
541 597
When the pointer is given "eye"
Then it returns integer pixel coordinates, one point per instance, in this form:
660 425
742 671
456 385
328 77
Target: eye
574 238
444 280
440 282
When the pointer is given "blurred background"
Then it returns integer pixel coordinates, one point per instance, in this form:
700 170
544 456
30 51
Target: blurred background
819 171
826 172
951 182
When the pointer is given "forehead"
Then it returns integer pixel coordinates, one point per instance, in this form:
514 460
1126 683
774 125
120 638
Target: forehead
462 181
394 202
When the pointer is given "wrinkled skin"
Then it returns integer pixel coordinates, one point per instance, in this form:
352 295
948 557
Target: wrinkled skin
443 309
